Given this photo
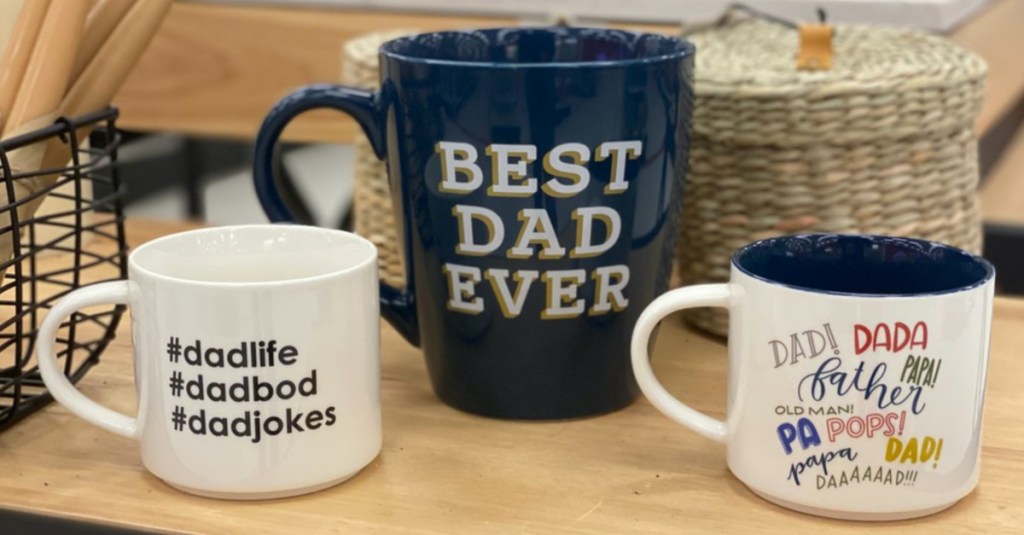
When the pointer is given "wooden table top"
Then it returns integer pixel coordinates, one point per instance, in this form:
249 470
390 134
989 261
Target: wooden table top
443 471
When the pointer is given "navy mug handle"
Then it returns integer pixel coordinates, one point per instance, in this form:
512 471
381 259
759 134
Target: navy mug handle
368 109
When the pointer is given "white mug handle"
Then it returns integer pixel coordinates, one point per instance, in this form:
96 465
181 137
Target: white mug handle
113 292
703 295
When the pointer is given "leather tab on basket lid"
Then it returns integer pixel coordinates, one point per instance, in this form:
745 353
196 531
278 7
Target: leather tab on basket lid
815 52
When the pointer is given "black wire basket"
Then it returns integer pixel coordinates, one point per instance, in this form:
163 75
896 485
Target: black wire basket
75 238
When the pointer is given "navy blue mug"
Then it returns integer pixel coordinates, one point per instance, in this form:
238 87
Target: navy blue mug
537 174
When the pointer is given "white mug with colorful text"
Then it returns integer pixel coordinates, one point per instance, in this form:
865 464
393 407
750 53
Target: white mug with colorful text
256 358
857 368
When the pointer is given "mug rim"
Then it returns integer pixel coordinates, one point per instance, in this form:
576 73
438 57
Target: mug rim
685 48
361 264
985 265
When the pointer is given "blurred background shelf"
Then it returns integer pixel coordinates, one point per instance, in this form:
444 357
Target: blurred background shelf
215 68
938 15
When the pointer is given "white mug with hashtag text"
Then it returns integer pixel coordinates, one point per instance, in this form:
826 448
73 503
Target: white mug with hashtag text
256 358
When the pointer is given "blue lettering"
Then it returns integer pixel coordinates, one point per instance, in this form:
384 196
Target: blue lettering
787 434
829 374
804 430
821 460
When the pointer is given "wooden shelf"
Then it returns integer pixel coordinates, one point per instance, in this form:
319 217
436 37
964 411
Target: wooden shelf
216 70
1002 194
443 471
995 35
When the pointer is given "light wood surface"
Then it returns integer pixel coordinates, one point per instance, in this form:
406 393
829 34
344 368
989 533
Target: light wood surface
217 69
1002 194
995 35
443 471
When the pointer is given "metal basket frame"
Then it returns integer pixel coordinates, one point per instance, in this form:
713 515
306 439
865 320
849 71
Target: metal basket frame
31 285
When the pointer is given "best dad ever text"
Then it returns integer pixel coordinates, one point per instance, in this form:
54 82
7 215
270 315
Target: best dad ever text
565 164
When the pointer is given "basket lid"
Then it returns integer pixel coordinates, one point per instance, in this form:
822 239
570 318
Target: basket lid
908 79
360 63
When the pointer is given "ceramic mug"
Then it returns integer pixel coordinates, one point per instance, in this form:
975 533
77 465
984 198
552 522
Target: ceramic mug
537 176
857 370
256 358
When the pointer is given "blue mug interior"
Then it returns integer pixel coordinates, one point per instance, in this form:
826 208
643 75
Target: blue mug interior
536 46
863 265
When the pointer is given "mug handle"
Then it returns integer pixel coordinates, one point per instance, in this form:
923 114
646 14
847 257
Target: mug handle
113 292
370 111
703 295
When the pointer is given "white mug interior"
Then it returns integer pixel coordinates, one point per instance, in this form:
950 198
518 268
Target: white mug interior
253 254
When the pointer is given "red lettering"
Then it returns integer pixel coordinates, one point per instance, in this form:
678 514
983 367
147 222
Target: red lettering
861 338
868 426
895 338
919 338
900 336
874 422
835 427
890 426
855 426
879 330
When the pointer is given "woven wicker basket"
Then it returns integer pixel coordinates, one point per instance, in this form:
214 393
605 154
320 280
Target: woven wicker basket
882 143
374 218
